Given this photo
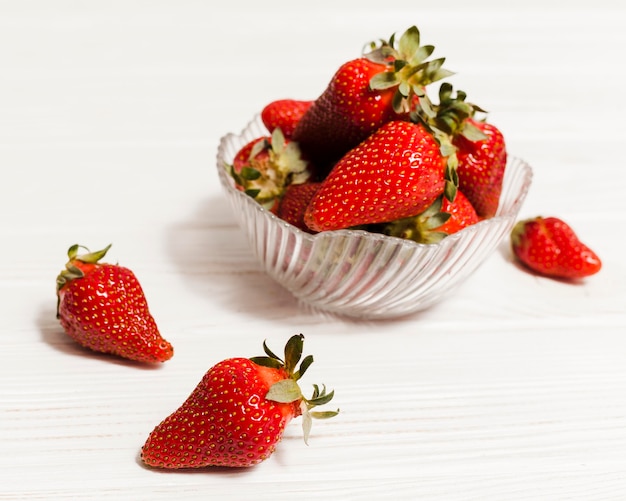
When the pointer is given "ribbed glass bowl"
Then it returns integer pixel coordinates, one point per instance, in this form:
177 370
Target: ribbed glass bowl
362 274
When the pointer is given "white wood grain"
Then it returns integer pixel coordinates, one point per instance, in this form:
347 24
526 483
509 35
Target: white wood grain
513 388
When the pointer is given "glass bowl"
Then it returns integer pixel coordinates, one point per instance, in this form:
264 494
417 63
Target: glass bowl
362 274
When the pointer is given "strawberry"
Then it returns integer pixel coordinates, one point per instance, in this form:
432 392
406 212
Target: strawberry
237 413
103 307
550 247
395 173
481 167
265 166
441 219
365 93
479 153
284 114
294 203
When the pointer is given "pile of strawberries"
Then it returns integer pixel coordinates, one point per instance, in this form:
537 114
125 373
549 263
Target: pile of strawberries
374 152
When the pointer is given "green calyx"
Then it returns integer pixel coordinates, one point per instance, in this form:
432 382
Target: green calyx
71 271
287 390
273 164
408 68
447 120
421 228
452 112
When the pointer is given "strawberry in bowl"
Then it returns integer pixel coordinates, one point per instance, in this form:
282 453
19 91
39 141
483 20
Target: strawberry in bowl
402 197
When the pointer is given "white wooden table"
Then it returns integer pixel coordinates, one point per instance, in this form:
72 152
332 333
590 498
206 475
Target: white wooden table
512 388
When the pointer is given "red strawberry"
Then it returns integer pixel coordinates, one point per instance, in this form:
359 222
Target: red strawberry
481 167
364 94
237 414
284 114
265 166
441 219
550 247
480 153
294 203
103 307
396 173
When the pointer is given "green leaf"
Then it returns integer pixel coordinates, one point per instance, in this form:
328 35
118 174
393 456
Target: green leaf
252 193
404 89
306 362
450 191
267 362
293 352
249 173
398 64
437 220
422 54
269 352
258 147
90 257
278 141
383 80
322 398
397 101
307 423
472 132
72 252
323 414
409 42
447 149
284 391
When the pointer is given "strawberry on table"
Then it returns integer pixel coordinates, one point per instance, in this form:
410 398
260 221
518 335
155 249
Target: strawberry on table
396 173
550 247
237 413
441 219
265 166
365 93
103 307
284 114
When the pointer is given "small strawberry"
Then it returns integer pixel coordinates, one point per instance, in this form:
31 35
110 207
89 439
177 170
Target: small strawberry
550 247
481 168
284 114
237 414
265 166
441 219
294 203
479 155
364 94
103 307
395 173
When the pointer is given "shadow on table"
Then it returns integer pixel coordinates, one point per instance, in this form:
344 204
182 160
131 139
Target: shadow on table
53 335
215 259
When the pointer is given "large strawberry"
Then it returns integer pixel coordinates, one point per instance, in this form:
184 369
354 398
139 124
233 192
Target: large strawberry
238 412
550 247
284 114
103 307
395 173
441 219
364 94
478 152
265 166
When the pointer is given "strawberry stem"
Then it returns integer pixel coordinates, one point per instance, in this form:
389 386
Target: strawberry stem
71 271
287 390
